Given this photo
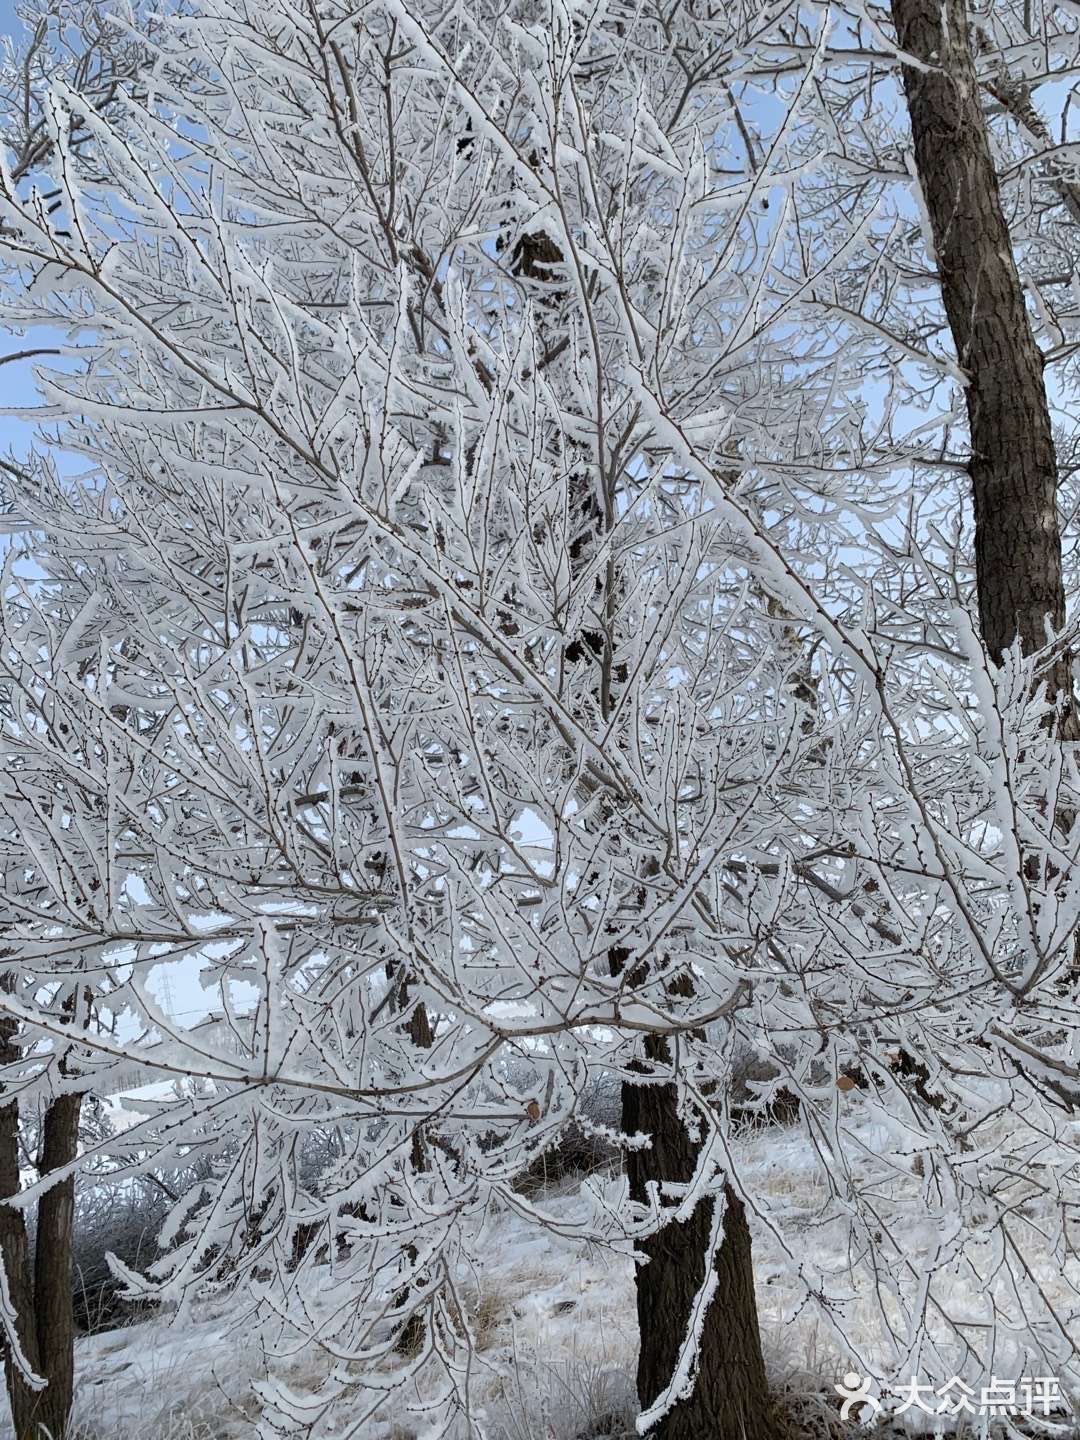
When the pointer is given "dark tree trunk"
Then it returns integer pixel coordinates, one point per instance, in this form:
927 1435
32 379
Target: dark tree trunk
1013 465
15 1246
40 1288
53 1305
730 1399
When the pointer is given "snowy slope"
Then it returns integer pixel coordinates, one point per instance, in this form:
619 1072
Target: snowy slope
557 1325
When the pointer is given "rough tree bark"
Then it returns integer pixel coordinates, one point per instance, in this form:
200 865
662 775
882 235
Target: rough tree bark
1013 464
39 1284
730 1398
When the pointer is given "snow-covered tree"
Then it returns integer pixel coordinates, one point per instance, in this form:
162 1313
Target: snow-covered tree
495 627
95 56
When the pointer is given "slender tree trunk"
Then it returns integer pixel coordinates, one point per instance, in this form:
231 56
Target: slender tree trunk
1013 465
15 1251
54 1314
40 1287
421 1034
730 1398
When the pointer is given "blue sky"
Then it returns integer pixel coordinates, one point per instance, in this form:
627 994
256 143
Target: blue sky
181 992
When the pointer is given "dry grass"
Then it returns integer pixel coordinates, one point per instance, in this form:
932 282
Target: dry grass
577 1400
163 1427
489 1312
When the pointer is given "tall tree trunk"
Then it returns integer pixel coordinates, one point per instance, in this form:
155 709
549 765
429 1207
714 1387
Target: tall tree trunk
40 1288
1013 465
53 1300
730 1398
15 1252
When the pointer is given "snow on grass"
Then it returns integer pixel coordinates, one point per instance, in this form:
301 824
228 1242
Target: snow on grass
555 1321
156 1381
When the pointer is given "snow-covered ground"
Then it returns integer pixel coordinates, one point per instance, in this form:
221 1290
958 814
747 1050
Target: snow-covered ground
556 1325
560 1315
